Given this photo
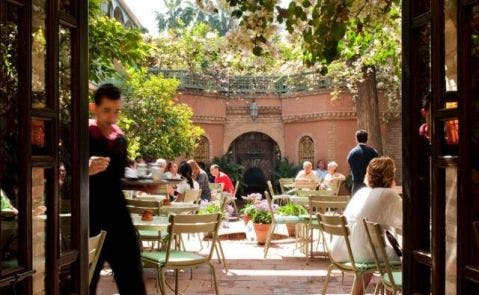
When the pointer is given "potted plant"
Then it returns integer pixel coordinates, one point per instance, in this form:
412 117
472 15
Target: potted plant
248 209
262 220
291 209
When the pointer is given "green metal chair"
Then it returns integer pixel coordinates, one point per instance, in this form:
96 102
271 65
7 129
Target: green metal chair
171 258
337 226
391 273
276 220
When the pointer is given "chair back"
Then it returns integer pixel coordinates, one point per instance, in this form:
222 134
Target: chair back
319 203
236 188
335 225
283 182
270 203
192 196
139 206
193 224
337 187
95 244
270 187
377 241
305 184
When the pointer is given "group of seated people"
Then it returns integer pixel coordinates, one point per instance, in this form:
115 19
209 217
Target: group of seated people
328 179
194 175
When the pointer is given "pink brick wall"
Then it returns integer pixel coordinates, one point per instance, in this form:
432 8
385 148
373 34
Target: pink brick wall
286 118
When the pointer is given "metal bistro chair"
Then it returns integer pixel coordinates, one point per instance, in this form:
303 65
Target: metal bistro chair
281 198
138 206
277 219
192 196
319 203
283 182
391 273
337 226
95 244
231 199
178 259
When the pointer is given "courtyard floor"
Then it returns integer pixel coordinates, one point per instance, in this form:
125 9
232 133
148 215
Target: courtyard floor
284 271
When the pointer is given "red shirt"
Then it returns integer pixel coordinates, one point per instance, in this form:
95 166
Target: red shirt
226 180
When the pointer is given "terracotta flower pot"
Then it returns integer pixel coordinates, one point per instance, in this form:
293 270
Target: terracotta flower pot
261 231
246 219
291 229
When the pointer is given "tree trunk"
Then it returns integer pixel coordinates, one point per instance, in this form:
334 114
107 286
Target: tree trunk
367 108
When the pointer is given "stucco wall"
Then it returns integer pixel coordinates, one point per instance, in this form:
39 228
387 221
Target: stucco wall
331 124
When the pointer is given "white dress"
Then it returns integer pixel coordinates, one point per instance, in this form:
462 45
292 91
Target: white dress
184 186
381 205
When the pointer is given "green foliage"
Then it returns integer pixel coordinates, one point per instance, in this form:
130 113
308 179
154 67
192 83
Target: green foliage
228 166
186 14
291 209
155 125
285 169
198 49
209 208
111 45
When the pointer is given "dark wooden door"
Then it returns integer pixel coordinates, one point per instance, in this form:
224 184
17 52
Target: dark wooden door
255 149
440 91
43 130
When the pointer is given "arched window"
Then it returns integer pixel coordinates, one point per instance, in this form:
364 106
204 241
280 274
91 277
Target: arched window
306 149
119 15
202 151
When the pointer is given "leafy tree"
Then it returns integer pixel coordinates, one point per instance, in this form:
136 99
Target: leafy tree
154 123
111 45
328 31
185 14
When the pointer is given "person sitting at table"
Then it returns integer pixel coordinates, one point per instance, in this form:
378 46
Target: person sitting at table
221 177
6 206
202 178
378 203
321 170
171 170
162 164
332 179
130 169
185 171
307 176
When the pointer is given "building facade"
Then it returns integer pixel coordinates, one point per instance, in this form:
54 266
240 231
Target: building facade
307 125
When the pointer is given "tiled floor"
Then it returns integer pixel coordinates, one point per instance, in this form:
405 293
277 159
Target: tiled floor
284 271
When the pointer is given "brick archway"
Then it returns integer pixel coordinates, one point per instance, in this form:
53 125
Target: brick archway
275 132
256 150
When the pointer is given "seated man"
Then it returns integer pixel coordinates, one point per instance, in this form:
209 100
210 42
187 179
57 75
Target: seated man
306 178
221 177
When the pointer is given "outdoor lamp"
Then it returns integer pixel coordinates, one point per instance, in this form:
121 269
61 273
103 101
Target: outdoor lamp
253 110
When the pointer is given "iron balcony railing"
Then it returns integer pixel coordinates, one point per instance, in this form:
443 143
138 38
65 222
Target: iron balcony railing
308 81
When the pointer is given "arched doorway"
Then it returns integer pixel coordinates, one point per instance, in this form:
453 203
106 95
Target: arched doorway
255 151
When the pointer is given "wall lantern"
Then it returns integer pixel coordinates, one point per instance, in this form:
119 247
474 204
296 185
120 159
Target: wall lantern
253 110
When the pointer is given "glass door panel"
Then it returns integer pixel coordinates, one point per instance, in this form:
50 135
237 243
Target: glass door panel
39 54
65 138
42 181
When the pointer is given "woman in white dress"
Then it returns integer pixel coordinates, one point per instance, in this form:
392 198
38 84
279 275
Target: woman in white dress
189 183
378 203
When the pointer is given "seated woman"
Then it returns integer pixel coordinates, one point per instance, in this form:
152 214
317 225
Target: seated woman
378 203
185 171
171 171
332 178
